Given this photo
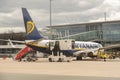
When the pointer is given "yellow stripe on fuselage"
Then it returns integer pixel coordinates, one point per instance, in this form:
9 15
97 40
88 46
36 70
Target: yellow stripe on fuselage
36 45
79 49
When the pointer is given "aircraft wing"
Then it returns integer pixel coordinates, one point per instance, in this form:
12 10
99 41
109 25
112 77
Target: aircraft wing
10 42
13 41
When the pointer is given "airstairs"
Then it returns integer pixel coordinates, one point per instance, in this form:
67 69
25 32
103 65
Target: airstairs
22 53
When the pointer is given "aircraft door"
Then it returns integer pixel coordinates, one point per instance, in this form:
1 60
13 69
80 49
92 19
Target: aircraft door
73 44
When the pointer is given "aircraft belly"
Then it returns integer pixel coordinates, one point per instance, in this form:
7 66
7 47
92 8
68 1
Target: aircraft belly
68 52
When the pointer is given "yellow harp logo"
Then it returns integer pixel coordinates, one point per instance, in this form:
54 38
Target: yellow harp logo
30 27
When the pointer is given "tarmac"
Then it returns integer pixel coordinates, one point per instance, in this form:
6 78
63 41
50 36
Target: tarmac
44 70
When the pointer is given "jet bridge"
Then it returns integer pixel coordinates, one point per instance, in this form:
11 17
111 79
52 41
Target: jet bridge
57 47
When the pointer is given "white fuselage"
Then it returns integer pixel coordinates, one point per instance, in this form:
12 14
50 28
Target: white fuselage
78 44
89 48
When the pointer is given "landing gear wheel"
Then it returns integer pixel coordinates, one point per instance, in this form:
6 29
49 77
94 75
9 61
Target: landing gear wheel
60 60
68 60
78 58
28 59
50 60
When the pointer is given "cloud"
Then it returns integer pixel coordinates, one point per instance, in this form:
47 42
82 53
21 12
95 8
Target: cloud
11 29
11 19
63 11
111 8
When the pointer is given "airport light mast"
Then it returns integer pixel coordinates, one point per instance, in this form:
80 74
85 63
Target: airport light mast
51 19
50 14
105 15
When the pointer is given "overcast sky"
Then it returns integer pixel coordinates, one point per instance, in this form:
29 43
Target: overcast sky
63 12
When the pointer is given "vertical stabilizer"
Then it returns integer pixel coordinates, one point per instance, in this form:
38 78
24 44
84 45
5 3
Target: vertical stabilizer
31 30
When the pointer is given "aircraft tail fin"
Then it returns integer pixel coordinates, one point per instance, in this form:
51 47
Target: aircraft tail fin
31 30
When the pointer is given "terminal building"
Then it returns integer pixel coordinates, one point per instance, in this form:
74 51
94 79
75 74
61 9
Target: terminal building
106 33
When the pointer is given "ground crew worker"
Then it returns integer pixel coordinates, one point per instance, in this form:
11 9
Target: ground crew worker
105 56
56 48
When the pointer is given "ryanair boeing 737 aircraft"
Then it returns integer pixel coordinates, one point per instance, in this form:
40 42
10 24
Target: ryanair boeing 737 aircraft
37 42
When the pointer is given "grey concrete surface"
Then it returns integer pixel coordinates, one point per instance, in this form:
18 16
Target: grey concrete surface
75 70
17 76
